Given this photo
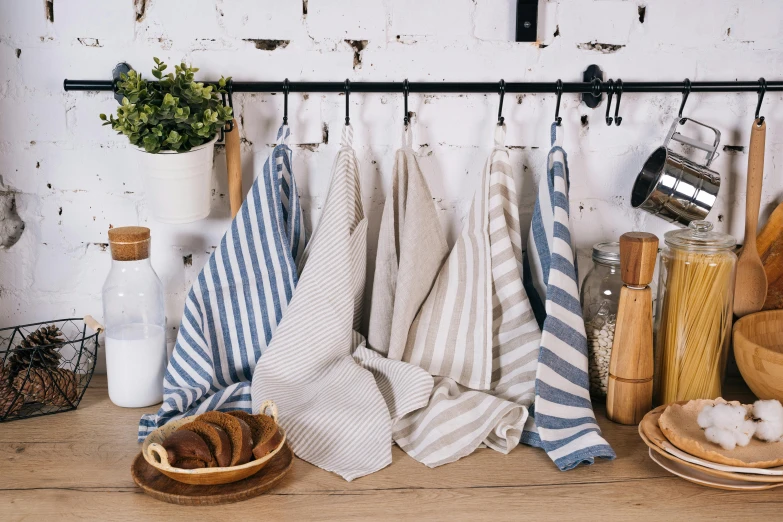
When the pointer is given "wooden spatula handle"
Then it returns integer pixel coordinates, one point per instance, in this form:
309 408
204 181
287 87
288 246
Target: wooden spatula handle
758 136
234 168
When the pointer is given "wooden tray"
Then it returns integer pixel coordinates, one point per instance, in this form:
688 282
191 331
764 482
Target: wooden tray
159 486
652 435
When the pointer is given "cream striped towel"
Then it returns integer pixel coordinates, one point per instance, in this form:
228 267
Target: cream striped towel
411 251
475 330
236 302
337 398
563 422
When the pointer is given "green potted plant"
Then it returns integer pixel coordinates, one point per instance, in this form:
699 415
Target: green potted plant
174 123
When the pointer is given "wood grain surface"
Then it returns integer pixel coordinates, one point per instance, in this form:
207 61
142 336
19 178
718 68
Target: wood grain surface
76 465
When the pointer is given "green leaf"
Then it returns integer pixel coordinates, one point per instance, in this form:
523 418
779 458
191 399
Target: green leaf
174 113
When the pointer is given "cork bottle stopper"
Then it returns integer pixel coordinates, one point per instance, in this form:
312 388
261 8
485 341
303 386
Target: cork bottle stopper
638 252
129 243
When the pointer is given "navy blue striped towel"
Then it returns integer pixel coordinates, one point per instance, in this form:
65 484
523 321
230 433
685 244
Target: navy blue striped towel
237 301
562 420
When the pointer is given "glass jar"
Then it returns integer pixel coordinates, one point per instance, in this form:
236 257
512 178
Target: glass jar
693 324
600 297
133 313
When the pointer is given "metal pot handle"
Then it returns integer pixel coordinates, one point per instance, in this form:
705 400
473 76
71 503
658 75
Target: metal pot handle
710 149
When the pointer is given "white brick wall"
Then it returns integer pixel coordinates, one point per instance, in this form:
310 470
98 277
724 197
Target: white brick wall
72 178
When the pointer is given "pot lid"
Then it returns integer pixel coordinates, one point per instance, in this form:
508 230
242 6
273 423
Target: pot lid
607 252
699 235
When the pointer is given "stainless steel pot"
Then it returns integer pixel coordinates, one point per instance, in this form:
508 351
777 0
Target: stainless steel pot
674 187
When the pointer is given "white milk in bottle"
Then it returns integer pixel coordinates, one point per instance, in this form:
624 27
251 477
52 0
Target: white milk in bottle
135 321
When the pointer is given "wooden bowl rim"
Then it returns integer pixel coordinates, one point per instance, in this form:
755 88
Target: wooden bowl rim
210 471
769 354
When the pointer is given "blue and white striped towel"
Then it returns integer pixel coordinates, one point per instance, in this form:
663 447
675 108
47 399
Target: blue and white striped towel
563 422
238 299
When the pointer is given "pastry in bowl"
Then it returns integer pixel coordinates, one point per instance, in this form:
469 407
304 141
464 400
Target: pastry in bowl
265 433
238 433
200 449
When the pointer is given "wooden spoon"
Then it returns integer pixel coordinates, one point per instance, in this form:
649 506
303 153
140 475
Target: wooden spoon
750 289
234 168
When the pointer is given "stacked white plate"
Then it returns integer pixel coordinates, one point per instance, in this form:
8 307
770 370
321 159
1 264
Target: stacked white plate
698 470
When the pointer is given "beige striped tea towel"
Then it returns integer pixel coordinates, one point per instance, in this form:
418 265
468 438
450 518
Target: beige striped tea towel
337 399
475 331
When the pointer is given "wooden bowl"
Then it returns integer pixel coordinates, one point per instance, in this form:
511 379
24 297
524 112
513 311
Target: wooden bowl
758 348
157 457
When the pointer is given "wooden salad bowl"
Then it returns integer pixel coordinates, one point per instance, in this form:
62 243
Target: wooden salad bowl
157 457
758 348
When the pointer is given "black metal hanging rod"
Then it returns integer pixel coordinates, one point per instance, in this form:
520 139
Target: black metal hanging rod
595 87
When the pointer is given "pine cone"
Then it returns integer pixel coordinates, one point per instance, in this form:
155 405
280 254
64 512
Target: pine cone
57 387
40 349
10 403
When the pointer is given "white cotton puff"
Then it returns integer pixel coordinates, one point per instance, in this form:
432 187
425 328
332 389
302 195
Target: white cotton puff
769 424
729 416
725 438
705 417
745 433
727 425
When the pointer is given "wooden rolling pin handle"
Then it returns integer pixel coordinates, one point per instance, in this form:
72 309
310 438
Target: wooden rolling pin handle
234 168
638 252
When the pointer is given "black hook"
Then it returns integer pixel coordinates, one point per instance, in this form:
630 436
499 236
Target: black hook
405 89
617 118
609 94
286 89
347 105
559 92
686 90
502 91
762 91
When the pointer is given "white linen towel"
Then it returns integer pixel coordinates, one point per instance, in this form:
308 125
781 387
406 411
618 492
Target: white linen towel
337 399
474 329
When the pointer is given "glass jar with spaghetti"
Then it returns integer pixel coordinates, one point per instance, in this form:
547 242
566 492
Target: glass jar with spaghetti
693 323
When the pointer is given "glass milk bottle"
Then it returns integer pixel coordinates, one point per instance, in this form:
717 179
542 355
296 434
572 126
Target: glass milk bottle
135 321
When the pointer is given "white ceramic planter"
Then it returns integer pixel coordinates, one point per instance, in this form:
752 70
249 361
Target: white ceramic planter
178 184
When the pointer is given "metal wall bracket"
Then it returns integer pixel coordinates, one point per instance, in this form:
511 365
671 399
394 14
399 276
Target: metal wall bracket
527 21
120 68
593 72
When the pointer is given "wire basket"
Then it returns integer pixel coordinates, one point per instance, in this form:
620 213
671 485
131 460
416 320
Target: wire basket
35 388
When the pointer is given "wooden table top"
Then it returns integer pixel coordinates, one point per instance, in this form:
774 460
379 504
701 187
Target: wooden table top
76 465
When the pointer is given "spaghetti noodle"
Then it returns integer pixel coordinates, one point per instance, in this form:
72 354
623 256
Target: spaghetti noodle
694 324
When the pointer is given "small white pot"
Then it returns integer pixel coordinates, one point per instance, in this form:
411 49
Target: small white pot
178 184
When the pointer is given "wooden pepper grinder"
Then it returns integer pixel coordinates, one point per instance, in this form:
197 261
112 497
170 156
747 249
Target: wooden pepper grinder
630 387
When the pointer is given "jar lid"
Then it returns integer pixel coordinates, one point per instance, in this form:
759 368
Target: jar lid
699 235
607 252
129 243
